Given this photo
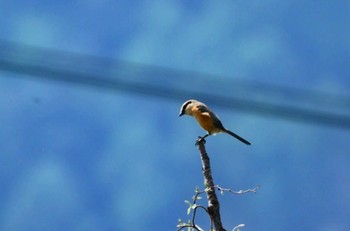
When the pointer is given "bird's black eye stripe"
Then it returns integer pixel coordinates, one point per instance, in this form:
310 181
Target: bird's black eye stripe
184 107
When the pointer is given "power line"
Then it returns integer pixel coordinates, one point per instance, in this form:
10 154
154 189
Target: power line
112 74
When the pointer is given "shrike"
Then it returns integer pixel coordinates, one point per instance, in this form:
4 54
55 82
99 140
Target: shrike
206 119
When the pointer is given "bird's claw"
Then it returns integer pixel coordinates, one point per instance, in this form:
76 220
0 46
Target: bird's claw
199 140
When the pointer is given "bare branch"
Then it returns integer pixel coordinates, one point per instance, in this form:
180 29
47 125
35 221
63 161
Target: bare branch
213 209
213 202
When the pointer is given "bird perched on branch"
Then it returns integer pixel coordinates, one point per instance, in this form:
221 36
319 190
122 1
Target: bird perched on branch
206 119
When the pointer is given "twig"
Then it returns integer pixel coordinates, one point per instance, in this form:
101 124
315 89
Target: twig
237 228
253 190
193 206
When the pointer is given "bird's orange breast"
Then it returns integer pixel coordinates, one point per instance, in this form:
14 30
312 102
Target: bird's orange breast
204 120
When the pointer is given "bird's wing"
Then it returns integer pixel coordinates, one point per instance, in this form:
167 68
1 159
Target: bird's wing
205 110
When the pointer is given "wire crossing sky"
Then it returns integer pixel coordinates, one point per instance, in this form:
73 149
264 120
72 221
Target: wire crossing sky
111 74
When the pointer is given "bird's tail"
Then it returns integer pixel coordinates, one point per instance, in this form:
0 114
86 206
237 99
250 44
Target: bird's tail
237 136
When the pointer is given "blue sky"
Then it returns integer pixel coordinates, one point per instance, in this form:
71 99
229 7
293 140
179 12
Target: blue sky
82 158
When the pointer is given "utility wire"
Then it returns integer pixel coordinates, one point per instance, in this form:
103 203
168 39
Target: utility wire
52 65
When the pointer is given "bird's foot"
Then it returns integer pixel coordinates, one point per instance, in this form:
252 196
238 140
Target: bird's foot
200 140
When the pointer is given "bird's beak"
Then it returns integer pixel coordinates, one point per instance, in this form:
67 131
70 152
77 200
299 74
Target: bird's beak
181 114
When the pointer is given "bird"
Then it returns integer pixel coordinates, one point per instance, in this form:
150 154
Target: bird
207 119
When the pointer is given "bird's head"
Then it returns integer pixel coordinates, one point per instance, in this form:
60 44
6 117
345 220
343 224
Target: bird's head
186 108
